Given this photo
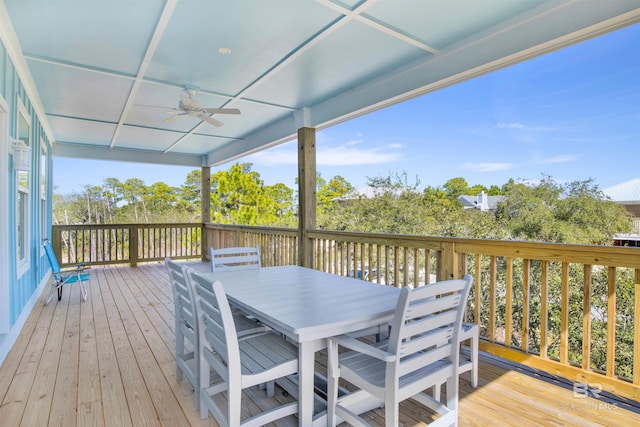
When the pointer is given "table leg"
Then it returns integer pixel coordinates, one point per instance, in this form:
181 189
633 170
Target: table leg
306 360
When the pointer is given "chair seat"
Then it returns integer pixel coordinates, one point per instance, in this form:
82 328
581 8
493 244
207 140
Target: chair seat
356 366
266 351
75 277
246 326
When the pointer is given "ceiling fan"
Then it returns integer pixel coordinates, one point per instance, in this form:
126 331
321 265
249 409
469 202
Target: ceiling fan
189 106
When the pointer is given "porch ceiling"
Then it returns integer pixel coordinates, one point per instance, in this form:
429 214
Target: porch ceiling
293 63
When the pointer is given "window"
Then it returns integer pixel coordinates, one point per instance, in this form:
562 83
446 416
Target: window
43 191
22 196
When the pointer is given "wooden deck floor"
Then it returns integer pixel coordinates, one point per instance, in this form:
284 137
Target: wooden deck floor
108 361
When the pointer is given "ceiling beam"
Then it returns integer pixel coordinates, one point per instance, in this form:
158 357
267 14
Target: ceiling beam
146 61
357 14
77 151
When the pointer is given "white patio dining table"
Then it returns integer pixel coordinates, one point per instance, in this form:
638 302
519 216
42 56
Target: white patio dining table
308 306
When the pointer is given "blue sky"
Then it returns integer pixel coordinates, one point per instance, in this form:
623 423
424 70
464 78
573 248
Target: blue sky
573 114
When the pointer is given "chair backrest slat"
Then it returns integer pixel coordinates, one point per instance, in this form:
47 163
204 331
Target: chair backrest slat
425 341
432 305
422 359
429 323
237 258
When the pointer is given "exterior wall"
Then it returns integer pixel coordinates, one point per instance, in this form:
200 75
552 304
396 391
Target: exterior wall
21 283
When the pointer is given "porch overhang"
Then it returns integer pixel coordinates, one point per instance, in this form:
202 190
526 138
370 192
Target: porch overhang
285 65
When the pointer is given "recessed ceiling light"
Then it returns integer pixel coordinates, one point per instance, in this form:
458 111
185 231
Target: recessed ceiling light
224 51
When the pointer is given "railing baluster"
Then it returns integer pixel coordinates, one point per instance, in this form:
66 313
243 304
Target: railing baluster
636 329
508 311
564 314
526 279
416 267
611 322
586 318
493 276
544 309
396 267
478 288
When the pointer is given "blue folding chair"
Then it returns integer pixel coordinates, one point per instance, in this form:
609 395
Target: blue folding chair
64 277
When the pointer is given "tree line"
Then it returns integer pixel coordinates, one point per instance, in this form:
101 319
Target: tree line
546 211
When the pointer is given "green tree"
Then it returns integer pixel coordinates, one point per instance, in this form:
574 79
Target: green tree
239 196
456 187
281 205
330 193
549 212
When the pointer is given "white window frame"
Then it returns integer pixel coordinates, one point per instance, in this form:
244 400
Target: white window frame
4 225
23 264
44 170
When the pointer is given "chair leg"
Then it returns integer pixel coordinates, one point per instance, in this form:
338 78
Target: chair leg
474 342
59 293
53 290
83 289
436 392
332 384
391 414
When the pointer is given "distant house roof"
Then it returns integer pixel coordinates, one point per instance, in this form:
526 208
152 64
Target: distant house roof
626 192
481 201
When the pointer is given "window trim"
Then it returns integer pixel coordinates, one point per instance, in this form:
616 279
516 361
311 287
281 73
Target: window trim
24 264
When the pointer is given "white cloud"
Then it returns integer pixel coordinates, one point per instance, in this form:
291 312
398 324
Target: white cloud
274 157
523 127
503 125
487 167
563 158
347 154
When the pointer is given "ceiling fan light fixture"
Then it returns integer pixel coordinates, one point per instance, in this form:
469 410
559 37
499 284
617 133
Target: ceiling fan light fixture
224 51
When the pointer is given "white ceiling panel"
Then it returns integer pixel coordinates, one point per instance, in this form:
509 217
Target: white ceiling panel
87 132
196 144
110 35
258 33
74 92
347 57
132 137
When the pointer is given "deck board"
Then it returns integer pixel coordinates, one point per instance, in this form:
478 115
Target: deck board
110 361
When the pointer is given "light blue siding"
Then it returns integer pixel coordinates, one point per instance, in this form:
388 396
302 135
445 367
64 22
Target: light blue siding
22 288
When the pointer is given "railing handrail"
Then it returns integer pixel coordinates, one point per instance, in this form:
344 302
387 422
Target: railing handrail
104 244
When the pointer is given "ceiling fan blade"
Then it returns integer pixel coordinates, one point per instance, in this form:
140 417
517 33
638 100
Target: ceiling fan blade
172 118
222 110
156 106
210 120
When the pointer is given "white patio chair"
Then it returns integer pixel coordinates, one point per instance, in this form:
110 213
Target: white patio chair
238 258
239 364
186 325
422 351
63 277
